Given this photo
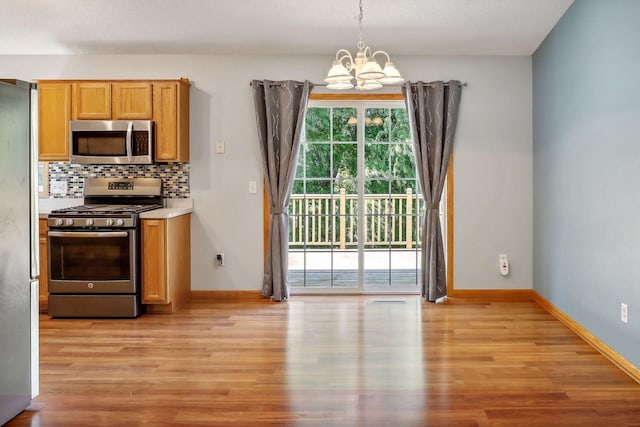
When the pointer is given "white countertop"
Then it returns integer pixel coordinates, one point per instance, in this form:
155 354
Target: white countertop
45 206
173 207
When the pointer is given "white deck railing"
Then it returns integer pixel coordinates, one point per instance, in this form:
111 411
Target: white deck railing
327 220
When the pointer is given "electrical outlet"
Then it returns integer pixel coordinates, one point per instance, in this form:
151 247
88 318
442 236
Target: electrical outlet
624 312
58 187
503 264
220 259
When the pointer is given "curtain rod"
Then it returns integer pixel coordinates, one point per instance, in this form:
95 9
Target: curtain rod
462 84
280 84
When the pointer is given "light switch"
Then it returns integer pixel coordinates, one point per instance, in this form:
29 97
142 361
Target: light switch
220 147
253 187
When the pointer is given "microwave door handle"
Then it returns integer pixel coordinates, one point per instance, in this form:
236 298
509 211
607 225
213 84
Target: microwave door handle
128 141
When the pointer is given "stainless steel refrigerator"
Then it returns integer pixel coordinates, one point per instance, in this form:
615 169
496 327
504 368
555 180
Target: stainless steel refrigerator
18 247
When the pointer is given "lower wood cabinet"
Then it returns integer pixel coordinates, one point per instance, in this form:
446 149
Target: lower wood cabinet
166 263
44 267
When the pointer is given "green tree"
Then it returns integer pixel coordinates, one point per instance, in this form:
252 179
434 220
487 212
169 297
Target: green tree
330 150
317 124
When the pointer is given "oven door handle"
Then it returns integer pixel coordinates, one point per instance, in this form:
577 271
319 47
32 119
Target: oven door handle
128 141
88 234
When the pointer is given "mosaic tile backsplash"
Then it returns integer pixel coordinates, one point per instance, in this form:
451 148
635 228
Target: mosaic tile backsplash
175 177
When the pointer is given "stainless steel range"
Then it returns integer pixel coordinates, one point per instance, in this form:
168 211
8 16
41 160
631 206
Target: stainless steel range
94 249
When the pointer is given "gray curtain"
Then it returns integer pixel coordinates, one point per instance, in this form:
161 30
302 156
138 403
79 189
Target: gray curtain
280 109
433 113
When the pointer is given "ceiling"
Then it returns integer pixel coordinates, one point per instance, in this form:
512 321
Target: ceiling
316 27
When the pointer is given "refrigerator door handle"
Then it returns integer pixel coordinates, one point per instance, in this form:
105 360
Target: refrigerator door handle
33 163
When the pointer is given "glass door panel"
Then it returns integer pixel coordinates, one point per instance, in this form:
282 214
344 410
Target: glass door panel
390 194
345 268
354 208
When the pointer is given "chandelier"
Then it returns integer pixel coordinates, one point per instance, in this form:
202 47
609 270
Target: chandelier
364 69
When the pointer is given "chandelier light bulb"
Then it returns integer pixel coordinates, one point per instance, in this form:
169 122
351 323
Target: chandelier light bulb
392 75
340 85
368 85
337 73
371 71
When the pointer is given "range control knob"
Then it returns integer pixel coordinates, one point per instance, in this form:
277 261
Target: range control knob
89 222
59 221
120 222
109 222
68 222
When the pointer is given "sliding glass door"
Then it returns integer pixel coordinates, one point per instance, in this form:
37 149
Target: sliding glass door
355 207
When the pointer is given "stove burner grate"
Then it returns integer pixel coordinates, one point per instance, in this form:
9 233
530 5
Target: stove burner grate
105 209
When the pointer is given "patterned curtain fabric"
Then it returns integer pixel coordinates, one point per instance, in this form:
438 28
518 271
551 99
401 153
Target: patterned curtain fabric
280 111
433 113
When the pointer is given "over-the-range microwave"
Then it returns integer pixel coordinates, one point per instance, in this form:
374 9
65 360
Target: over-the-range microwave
111 141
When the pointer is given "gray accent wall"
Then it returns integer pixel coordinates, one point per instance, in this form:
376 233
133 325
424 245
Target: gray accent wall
586 169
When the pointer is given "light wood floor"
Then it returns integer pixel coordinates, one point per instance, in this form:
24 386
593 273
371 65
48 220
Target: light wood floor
328 361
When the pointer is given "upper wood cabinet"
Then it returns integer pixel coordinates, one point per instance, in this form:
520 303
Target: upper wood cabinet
54 114
92 101
166 102
171 116
131 101
112 101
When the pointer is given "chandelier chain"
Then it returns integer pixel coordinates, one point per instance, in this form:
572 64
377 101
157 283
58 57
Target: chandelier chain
360 44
